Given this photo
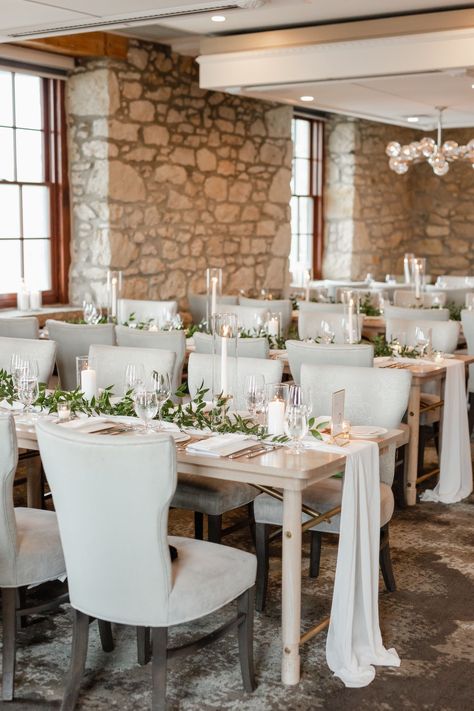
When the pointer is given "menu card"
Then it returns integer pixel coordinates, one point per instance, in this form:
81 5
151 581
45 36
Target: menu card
337 416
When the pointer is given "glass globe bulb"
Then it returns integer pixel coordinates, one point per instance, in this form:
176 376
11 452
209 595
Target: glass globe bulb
398 165
470 145
441 167
428 146
449 148
415 149
393 149
407 152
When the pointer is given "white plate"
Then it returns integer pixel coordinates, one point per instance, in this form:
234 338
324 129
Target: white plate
367 431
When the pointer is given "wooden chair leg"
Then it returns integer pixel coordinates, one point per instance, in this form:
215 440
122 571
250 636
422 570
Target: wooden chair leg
80 637
9 642
198 525
386 560
471 412
436 436
315 554
251 520
262 545
159 636
421 449
143 645
214 529
106 637
245 605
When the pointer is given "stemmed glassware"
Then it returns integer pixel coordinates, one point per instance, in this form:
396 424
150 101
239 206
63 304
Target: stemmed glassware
28 391
254 392
134 377
161 386
296 426
146 407
326 333
423 339
92 313
299 396
21 367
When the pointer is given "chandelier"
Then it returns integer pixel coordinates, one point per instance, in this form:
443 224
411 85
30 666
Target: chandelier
439 155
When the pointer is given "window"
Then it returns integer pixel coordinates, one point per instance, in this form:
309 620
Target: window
33 194
307 192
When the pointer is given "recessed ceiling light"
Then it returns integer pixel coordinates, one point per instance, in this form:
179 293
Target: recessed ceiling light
218 18
413 119
306 98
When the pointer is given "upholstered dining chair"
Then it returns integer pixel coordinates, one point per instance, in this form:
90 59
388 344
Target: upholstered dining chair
22 327
143 310
357 354
318 306
117 555
309 324
198 305
407 299
246 347
282 306
454 295
30 554
364 405
248 317
213 497
416 314
110 363
44 352
444 334
73 340
168 340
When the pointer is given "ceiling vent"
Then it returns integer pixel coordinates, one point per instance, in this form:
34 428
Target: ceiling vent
123 20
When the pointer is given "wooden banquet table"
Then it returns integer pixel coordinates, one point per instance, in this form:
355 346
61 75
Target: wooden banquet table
274 472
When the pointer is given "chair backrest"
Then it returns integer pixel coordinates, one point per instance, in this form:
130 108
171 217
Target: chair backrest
8 533
201 366
158 311
318 306
112 502
416 314
73 340
110 363
249 318
22 327
278 306
246 347
359 354
444 334
333 284
454 295
198 305
309 324
44 352
408 299
168 340
456 281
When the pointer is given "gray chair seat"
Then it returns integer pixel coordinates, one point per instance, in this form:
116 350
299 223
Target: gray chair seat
321 497
212 497
39 553
205 577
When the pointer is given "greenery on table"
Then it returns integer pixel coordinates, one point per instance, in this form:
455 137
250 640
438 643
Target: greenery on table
392 348
367 307
454 311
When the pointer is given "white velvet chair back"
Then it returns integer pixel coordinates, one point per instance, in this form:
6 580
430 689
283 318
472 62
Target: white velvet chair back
143 310
8 531
467 320
360 355
444 334
278 306
22 327
44 352
198 305
416 314
456 281
408 299
318 306
456 296
200 372
248 317
309 324
246 347
110 363
74 340
165 340
112 495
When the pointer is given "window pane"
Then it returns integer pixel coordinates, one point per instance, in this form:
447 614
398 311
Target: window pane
305 216
7 166
29 156
9 211
10 265
302 143
28 104
294 214
6 96
37 257
36 221
301 168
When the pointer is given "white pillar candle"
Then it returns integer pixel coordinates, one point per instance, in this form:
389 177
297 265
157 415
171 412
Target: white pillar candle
272 327
23 300
213 295
113 297
276 417
35 300
224 362
306 283
88 383
417 281
351 320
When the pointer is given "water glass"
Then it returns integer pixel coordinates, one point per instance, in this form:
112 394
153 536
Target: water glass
28 391
296 426
254 394
134 378
423 339
161 386
301 397
92 313
22 367
146 406
326 334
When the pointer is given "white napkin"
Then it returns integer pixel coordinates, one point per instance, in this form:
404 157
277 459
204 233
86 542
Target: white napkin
220 445
86 425
354 642
455 479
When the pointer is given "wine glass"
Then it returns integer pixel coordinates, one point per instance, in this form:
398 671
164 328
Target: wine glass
21 367
326 333
161 386
423 339
300 396
254 393
28 391
296 426
134 378
146 406
90 312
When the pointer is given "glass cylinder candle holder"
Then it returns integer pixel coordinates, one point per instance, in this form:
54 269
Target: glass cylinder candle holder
273 324
225 333
277 402
350 301
214 292
86 376
470 300
408 267
419 276
114 290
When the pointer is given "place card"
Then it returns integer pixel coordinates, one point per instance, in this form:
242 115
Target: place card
337 416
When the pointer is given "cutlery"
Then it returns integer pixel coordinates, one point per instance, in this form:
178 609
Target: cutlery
243 452
262 450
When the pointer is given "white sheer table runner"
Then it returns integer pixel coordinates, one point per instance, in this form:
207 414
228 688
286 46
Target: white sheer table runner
354 643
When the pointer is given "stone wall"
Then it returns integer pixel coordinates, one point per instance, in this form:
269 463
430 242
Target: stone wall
167 179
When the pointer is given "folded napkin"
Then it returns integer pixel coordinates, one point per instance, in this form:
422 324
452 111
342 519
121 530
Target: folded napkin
220 445
354 642
86 424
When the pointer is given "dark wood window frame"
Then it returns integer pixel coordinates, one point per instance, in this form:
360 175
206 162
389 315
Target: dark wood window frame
56 178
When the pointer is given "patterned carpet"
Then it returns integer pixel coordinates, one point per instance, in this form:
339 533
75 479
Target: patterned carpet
429 620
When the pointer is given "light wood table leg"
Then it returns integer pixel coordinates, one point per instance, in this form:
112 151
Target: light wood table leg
291 587
414 424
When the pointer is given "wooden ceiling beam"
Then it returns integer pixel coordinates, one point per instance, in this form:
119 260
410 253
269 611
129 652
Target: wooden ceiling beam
86 44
